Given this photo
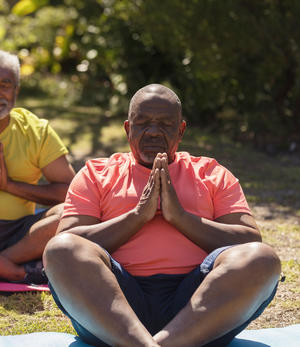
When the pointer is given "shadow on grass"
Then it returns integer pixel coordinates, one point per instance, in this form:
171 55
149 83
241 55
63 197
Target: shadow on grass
23 303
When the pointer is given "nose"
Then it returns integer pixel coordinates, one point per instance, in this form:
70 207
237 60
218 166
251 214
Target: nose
153 129
2 99
3 93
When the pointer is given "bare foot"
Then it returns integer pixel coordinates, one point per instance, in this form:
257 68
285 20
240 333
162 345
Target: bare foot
10 271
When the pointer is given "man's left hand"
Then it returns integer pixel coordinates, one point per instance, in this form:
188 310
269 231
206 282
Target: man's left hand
3 170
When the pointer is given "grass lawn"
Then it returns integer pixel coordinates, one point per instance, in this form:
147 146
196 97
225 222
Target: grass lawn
271 184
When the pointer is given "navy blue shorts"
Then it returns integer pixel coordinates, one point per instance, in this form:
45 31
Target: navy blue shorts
12 231
157 299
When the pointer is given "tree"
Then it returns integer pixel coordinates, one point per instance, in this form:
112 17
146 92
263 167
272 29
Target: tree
234 63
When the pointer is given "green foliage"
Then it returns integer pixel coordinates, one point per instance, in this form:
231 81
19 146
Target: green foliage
25 7
234 64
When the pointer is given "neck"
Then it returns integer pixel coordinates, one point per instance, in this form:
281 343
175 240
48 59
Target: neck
4 123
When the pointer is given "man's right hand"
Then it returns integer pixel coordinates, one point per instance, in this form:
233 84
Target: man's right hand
147 206
3 170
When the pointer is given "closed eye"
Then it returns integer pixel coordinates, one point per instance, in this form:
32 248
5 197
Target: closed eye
6 85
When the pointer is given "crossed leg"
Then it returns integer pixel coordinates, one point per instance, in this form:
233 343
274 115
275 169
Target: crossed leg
80 272
243 277
31 246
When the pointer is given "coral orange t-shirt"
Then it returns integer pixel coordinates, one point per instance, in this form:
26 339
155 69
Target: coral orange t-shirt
108 187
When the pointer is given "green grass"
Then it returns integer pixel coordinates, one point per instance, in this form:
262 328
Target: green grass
31 312
271 184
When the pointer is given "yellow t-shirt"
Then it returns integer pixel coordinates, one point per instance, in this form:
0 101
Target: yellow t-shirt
30 144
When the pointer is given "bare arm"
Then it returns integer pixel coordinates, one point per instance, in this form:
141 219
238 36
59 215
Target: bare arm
229 229
58 173
110 234
113 233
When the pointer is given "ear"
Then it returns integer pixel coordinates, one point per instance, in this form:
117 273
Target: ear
182 128
126 126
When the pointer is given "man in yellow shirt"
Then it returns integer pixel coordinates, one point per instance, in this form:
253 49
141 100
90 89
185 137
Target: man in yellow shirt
29 148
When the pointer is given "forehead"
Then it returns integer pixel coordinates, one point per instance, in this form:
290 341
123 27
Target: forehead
151 104
6 75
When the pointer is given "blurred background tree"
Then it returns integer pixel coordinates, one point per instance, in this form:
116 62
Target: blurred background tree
233 63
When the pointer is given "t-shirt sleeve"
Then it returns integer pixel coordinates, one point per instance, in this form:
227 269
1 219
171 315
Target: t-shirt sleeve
52 147
83 197
228 195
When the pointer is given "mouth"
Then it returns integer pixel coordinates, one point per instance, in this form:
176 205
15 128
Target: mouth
3 103
153 145
154 149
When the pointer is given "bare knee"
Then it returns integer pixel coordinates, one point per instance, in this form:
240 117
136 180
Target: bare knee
262 258
58 247
65 250
254 260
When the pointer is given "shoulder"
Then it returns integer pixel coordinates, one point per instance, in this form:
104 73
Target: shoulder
28 121
115 160
196 162
26 117
108 167
203 167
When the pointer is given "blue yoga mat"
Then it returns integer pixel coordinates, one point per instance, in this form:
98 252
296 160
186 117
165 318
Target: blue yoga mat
277 337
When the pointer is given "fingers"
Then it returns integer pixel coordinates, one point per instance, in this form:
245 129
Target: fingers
153 183
156 179
165 179
156 166
165 176
1 165
1 157
160 161
147 205
157 162
160 165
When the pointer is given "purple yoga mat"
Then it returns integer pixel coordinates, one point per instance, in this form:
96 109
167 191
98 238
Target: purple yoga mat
18 287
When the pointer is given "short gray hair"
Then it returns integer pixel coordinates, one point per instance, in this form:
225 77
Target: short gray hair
11 62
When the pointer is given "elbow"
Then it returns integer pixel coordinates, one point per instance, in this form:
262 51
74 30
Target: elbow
258 238
255 236
61 192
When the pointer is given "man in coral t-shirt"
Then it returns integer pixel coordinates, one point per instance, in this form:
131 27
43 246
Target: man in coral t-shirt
157 247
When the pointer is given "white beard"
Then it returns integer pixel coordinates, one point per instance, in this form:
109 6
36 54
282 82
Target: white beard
5 109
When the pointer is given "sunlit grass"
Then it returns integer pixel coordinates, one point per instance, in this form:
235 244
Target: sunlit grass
291 270
31 312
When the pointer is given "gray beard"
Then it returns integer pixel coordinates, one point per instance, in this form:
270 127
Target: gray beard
4 111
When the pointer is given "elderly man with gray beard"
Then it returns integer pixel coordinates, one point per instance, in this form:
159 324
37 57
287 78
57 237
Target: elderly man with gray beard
29 149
